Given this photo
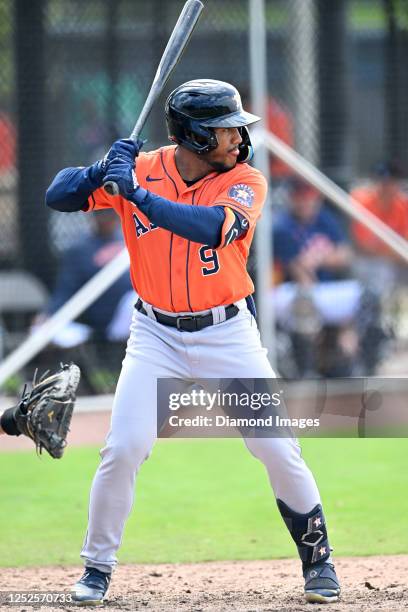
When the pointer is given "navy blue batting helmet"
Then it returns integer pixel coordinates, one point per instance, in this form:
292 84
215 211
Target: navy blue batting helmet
195 108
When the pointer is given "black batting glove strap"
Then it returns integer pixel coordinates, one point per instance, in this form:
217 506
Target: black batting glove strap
308 532
94 174
8 422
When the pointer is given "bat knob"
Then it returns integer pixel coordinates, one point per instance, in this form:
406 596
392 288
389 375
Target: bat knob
111 188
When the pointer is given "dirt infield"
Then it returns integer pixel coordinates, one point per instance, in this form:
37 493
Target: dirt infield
87 428
369 583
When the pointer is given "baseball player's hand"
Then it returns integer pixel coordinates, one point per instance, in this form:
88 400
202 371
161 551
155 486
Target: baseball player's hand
124 149
122 172
121 149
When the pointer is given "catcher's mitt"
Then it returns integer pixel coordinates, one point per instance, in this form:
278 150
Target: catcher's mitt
44 413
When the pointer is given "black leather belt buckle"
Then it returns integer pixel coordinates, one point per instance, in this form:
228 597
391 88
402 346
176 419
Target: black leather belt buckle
191 323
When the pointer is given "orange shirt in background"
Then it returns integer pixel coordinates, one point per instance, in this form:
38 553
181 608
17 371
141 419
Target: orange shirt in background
395 215
280 123
7 144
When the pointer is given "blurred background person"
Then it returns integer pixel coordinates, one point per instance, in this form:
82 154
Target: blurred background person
279 121
316 302
376 264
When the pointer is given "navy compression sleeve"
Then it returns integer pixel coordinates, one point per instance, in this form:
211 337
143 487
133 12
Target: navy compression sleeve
71 188
200 224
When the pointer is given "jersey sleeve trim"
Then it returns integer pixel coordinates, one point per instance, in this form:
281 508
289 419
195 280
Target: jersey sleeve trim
227 229
89 204
233 228
232 205
93 201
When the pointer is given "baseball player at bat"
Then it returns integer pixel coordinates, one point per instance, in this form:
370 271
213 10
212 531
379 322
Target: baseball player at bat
188 214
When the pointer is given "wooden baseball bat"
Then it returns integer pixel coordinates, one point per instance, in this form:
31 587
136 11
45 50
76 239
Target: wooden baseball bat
171 55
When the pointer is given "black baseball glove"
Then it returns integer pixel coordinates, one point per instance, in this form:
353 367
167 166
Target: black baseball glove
44 413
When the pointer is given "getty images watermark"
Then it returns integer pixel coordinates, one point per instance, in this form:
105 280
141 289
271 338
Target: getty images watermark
354 407
231 403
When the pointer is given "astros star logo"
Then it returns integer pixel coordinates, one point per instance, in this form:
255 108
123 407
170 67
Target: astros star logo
242 193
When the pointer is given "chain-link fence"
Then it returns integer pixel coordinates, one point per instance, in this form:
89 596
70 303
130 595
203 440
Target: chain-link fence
74 75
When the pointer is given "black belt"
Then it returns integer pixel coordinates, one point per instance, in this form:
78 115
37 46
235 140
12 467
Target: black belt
189 323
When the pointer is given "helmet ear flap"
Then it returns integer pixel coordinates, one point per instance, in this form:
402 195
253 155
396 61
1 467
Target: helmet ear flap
249 155
246 151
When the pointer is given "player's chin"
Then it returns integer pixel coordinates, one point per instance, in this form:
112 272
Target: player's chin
225 165
232 164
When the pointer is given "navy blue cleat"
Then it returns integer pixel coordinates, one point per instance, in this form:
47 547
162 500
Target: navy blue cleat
91 589
321 583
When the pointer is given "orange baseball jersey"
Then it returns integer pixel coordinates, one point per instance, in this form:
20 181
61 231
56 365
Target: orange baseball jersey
171 272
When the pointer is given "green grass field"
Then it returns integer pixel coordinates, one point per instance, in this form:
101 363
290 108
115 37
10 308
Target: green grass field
205 500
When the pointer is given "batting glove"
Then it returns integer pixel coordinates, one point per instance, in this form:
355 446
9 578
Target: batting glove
125 149
122 172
